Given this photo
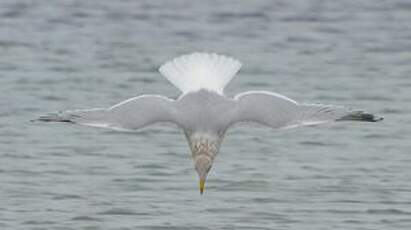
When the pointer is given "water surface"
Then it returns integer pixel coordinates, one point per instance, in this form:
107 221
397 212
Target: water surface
57 55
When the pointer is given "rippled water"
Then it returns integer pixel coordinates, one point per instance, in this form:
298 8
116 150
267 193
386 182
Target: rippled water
57 55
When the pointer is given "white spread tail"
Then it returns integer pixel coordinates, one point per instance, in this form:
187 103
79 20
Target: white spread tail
200 71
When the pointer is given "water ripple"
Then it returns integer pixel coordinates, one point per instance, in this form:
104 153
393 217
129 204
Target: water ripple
122 211
58 55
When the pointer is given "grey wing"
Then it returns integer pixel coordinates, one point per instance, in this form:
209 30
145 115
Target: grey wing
277 111
131 114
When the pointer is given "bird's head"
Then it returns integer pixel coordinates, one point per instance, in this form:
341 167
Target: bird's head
202 164
204 148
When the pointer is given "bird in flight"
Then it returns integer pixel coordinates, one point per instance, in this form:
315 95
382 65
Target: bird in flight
202 110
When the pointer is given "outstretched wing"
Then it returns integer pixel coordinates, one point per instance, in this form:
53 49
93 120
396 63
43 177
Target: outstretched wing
131 114
278 111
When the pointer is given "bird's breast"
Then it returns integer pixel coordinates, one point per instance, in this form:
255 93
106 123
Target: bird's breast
204 144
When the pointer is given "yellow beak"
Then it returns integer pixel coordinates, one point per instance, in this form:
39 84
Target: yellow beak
202 182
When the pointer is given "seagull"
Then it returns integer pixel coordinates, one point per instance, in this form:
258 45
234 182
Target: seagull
203 111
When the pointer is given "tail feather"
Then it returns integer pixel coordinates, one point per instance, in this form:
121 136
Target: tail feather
200 71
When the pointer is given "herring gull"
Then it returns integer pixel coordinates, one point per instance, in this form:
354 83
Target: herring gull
203 112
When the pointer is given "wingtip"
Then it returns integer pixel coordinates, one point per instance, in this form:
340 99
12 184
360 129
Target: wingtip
361 116
53 117
378 119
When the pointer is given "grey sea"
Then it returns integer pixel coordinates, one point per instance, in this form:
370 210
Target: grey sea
69 54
